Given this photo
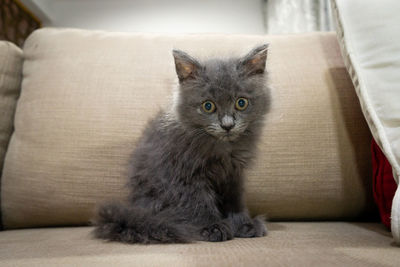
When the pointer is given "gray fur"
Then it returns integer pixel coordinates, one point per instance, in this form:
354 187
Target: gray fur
187 170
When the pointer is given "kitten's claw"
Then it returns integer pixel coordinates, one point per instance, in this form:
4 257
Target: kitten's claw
217 232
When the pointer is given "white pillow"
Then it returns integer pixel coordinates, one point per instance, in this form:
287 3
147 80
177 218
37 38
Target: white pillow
369 33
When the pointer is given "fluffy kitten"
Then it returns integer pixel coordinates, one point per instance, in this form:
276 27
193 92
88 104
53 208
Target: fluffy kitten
187 170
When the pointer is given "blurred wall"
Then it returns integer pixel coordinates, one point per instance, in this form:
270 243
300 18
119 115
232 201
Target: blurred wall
171 16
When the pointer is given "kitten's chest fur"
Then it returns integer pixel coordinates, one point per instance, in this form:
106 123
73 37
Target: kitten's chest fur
173 161
201 156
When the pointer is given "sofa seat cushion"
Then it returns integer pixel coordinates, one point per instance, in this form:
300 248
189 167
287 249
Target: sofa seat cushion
288 244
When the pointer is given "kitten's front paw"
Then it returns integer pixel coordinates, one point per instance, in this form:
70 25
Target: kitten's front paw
217 232
255 228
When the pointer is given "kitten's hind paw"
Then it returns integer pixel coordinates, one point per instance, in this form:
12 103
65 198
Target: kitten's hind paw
259 225
254 228
217 232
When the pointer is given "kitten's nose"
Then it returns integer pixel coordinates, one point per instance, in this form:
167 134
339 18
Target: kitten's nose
227 127
227 123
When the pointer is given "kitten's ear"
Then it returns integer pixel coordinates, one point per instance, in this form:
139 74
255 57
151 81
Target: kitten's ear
186 66
254 62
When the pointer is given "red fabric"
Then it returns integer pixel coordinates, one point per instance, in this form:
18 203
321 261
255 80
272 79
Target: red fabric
384 185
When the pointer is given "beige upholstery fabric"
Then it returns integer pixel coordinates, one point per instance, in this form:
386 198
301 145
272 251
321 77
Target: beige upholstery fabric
288 244
10 85
87 96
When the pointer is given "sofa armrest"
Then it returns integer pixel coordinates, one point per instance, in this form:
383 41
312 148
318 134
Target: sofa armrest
10 85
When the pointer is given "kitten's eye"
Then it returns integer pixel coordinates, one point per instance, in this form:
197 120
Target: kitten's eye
208 106
241 103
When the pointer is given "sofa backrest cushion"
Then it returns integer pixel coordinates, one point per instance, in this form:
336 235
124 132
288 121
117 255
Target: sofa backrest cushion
86 96
10 85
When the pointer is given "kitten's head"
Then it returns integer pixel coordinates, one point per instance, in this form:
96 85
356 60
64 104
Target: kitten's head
223 97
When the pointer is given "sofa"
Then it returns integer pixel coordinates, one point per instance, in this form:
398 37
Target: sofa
73 105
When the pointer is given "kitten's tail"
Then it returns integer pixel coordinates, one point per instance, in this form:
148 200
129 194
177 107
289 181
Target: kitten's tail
119 222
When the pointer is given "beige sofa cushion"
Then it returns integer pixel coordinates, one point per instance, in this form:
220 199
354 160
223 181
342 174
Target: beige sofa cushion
10 85
288 244
87 96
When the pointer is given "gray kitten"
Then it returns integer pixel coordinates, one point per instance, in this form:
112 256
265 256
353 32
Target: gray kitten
187 170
